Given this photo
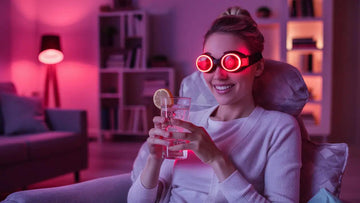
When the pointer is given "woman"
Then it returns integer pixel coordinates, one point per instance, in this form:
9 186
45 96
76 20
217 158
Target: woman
239 152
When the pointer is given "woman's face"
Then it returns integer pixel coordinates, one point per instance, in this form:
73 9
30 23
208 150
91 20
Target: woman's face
230 88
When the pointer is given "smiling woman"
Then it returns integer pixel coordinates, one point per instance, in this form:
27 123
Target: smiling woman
244 152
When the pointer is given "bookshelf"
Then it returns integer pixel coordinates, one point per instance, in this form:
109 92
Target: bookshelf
308 32
123 39
302 37
126 84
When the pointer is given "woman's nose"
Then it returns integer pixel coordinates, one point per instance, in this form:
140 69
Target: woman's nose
220 73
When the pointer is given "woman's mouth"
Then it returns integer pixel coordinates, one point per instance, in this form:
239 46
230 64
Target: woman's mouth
223 89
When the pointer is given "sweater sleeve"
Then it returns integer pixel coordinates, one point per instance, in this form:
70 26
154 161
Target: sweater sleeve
138 193
281 171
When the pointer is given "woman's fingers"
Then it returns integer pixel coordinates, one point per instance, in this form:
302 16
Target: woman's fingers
184 124
158 121
157 141
182 146
157 135
182 136
155 132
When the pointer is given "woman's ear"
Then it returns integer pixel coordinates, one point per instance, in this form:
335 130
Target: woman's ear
259 68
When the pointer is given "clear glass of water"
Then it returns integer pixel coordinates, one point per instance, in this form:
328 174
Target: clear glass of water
178 108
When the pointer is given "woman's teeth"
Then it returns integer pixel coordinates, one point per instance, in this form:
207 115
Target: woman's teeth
222 87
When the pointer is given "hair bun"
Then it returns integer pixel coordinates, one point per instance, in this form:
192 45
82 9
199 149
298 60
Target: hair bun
235 11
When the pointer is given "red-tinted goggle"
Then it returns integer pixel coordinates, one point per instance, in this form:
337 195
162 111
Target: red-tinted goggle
231 61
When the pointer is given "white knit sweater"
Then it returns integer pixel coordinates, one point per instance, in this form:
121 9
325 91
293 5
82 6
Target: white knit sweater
265 148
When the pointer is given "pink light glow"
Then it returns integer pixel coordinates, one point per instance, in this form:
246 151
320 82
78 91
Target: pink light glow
54 12
51 56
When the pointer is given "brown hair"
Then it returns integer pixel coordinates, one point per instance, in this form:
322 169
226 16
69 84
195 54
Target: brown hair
239 22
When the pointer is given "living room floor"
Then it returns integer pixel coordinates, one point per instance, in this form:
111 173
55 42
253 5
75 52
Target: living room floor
116 157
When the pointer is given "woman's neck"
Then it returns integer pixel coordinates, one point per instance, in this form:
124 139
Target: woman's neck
231 112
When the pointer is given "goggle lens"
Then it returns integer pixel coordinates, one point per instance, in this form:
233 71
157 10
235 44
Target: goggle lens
231 62
204 63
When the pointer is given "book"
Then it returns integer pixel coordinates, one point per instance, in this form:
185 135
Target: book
302 8
138 58
293 10
132 58
306 63
122 31
116 60
303 43
109 118
310 63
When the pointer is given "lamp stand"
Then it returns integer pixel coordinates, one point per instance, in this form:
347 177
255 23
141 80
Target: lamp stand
51 78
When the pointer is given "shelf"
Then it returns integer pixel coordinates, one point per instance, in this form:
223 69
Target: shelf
110 95
305 19
310 49
121 13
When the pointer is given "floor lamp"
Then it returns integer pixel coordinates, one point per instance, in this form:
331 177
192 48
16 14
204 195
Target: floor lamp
51 54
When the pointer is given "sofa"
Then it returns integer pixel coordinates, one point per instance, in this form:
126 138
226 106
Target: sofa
37 143
281 87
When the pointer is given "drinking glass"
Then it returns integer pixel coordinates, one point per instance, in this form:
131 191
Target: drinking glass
178 108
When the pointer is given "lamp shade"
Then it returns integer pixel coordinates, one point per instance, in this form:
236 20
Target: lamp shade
50 51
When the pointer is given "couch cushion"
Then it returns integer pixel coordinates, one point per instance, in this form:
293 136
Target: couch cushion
323 167
12 150
48 144
5 87
281 87
22 114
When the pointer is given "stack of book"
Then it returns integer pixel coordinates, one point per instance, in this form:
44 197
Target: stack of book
134 52
303 43
134 58
302 8
115 61
109 118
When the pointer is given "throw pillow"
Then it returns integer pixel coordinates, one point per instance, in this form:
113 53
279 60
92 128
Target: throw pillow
323 165
324 196
22 115
9 88
281 87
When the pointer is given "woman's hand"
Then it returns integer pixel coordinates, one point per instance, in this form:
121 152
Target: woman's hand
150 174
199 141
155 140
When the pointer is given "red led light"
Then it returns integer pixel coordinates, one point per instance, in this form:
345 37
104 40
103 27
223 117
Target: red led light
204 63
231 62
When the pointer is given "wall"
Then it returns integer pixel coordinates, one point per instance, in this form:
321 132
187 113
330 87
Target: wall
5 36
176 29
76 23
346 72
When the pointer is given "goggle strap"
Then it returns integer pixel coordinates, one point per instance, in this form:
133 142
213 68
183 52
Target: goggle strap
254 58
